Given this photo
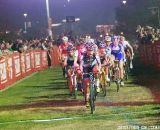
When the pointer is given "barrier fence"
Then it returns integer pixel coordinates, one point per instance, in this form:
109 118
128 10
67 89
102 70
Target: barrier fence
16 66
150 54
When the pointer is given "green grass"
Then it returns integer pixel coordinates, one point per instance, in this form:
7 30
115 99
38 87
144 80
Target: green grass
34 97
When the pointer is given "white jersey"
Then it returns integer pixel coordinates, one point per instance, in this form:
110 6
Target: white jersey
125 44
108 50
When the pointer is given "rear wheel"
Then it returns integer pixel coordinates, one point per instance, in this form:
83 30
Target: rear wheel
75 87
70 85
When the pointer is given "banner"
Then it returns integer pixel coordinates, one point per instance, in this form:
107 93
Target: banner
28 62
17 66
3 71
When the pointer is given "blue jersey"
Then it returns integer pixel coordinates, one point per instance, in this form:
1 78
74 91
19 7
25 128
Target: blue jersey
117 51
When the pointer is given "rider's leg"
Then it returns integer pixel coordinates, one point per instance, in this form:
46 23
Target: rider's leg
86 90
121 66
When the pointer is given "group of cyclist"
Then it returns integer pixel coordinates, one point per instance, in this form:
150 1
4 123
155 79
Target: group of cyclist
86 56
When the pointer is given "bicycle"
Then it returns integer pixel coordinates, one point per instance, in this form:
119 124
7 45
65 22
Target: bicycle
116 74
103 82
128 63
72 81
126 69
92 90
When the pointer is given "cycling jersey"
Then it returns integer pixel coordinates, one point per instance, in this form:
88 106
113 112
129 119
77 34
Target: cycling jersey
125 44
117 51
63 47
70 61
108 51
88 63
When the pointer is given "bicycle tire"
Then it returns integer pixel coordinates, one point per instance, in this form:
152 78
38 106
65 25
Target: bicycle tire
92 99
105 89
70 86
75 87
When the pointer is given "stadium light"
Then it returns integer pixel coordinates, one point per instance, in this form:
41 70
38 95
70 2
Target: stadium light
49 20
25 22
124 2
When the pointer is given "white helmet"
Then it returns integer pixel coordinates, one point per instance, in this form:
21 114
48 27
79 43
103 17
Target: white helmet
65 39
107 38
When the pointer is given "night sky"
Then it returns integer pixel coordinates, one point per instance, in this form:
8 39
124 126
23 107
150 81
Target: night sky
91 12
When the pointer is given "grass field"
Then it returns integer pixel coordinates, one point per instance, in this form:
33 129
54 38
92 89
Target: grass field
42 102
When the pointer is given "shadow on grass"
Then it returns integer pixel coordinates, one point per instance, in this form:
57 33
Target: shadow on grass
68 103
54 96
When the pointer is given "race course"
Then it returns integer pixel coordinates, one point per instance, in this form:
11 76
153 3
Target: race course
42 102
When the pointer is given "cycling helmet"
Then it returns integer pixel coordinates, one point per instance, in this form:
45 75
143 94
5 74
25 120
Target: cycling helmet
107 38
115 38
90 47
65 39
121 33
102 45
70 48
122 38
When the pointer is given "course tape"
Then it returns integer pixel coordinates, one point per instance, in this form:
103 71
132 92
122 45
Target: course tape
72 118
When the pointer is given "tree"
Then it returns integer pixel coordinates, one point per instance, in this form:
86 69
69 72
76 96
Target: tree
136 12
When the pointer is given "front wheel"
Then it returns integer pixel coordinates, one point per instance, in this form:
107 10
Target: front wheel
92 99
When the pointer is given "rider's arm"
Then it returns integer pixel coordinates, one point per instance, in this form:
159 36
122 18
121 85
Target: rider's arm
75 58
123 52
81 63
65 61
60 53
98 62
131 48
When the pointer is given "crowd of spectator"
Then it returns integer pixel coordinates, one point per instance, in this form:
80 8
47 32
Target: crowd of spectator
25 45
147 34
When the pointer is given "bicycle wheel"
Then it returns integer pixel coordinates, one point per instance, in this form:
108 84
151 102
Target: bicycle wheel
105 89
117 80
75 87
126 69
70 85
92 98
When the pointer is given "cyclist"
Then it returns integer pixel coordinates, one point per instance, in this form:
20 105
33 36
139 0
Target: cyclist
104 58
63 52
69 63
128 49
118 51
90 63
111 58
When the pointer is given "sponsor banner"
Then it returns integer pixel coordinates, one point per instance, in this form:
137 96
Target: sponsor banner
37 59
44 59
17 66
3 71
32 60
28 62
23 63
10 69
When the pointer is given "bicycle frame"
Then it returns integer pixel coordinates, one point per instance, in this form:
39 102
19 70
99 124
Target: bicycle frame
116 73
72 81
92 91
103 81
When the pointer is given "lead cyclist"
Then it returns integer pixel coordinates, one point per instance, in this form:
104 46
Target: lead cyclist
118 51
